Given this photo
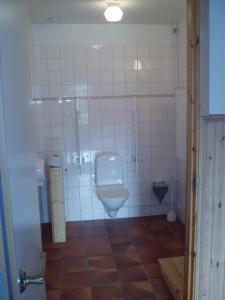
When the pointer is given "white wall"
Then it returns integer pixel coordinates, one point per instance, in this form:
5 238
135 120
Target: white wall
65 63
216 57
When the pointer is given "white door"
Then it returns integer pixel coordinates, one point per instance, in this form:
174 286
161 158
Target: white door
17 155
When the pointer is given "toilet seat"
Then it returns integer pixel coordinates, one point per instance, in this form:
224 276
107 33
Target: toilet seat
112 192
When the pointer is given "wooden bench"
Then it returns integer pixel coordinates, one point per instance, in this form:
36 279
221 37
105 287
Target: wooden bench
172 270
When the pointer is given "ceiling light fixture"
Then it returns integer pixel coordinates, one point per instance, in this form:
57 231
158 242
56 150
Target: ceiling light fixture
113 12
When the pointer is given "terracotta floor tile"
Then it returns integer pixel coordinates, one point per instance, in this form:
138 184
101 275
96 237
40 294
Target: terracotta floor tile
53 295
109 292
179 233
127 259
113 230
73 280
95 240
94 231
174 252
48 245
158 224
171 244
176 225
102 276
104 262
87 223
76 224
98 246
98 223
54 254
153 270
142 227
136 220
158 227
160 289
119 238
53 266
74 241
53 274
73 232
123 248
77 251
53 280
138 290
163 235
139 235
149 252
83 293
100 254
75 265
135 273
95 251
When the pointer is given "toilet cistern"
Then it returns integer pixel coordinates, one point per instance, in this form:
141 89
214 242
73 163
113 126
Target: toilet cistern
109 180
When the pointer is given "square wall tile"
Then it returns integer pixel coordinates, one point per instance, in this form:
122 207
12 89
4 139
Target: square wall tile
106 51
118 51
53 52
67 51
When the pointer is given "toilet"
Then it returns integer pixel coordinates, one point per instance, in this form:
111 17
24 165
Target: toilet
109 180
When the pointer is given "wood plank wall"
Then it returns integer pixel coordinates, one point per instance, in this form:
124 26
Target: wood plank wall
210 259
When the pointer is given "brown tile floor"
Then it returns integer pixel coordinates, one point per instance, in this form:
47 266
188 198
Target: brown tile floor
111 259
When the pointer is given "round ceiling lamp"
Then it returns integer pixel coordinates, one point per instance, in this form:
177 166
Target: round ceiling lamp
113 12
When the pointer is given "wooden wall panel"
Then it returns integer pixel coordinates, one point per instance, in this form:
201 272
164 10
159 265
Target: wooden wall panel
218 226
210 259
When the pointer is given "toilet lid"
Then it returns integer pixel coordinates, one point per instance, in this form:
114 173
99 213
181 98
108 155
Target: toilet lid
112 191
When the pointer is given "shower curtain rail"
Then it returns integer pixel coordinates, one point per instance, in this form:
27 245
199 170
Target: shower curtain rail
66 98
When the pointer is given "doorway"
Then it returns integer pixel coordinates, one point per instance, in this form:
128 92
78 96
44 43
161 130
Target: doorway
54 109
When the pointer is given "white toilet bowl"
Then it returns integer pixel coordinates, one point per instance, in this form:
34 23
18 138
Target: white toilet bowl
113 197
109 180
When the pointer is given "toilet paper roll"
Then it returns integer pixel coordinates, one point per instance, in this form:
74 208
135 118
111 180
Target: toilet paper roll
171 216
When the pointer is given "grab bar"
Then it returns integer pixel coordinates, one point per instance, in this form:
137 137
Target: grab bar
134 110
77 111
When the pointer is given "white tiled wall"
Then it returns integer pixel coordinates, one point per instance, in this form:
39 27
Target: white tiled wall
104 70
181 133
181 106
182 53
106 124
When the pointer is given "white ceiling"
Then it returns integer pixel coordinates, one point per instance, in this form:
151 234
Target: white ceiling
91 11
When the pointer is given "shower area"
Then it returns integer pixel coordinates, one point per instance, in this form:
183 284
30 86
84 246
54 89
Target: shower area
123 93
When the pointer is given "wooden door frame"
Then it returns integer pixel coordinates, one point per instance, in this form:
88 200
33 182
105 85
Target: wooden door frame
193 104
